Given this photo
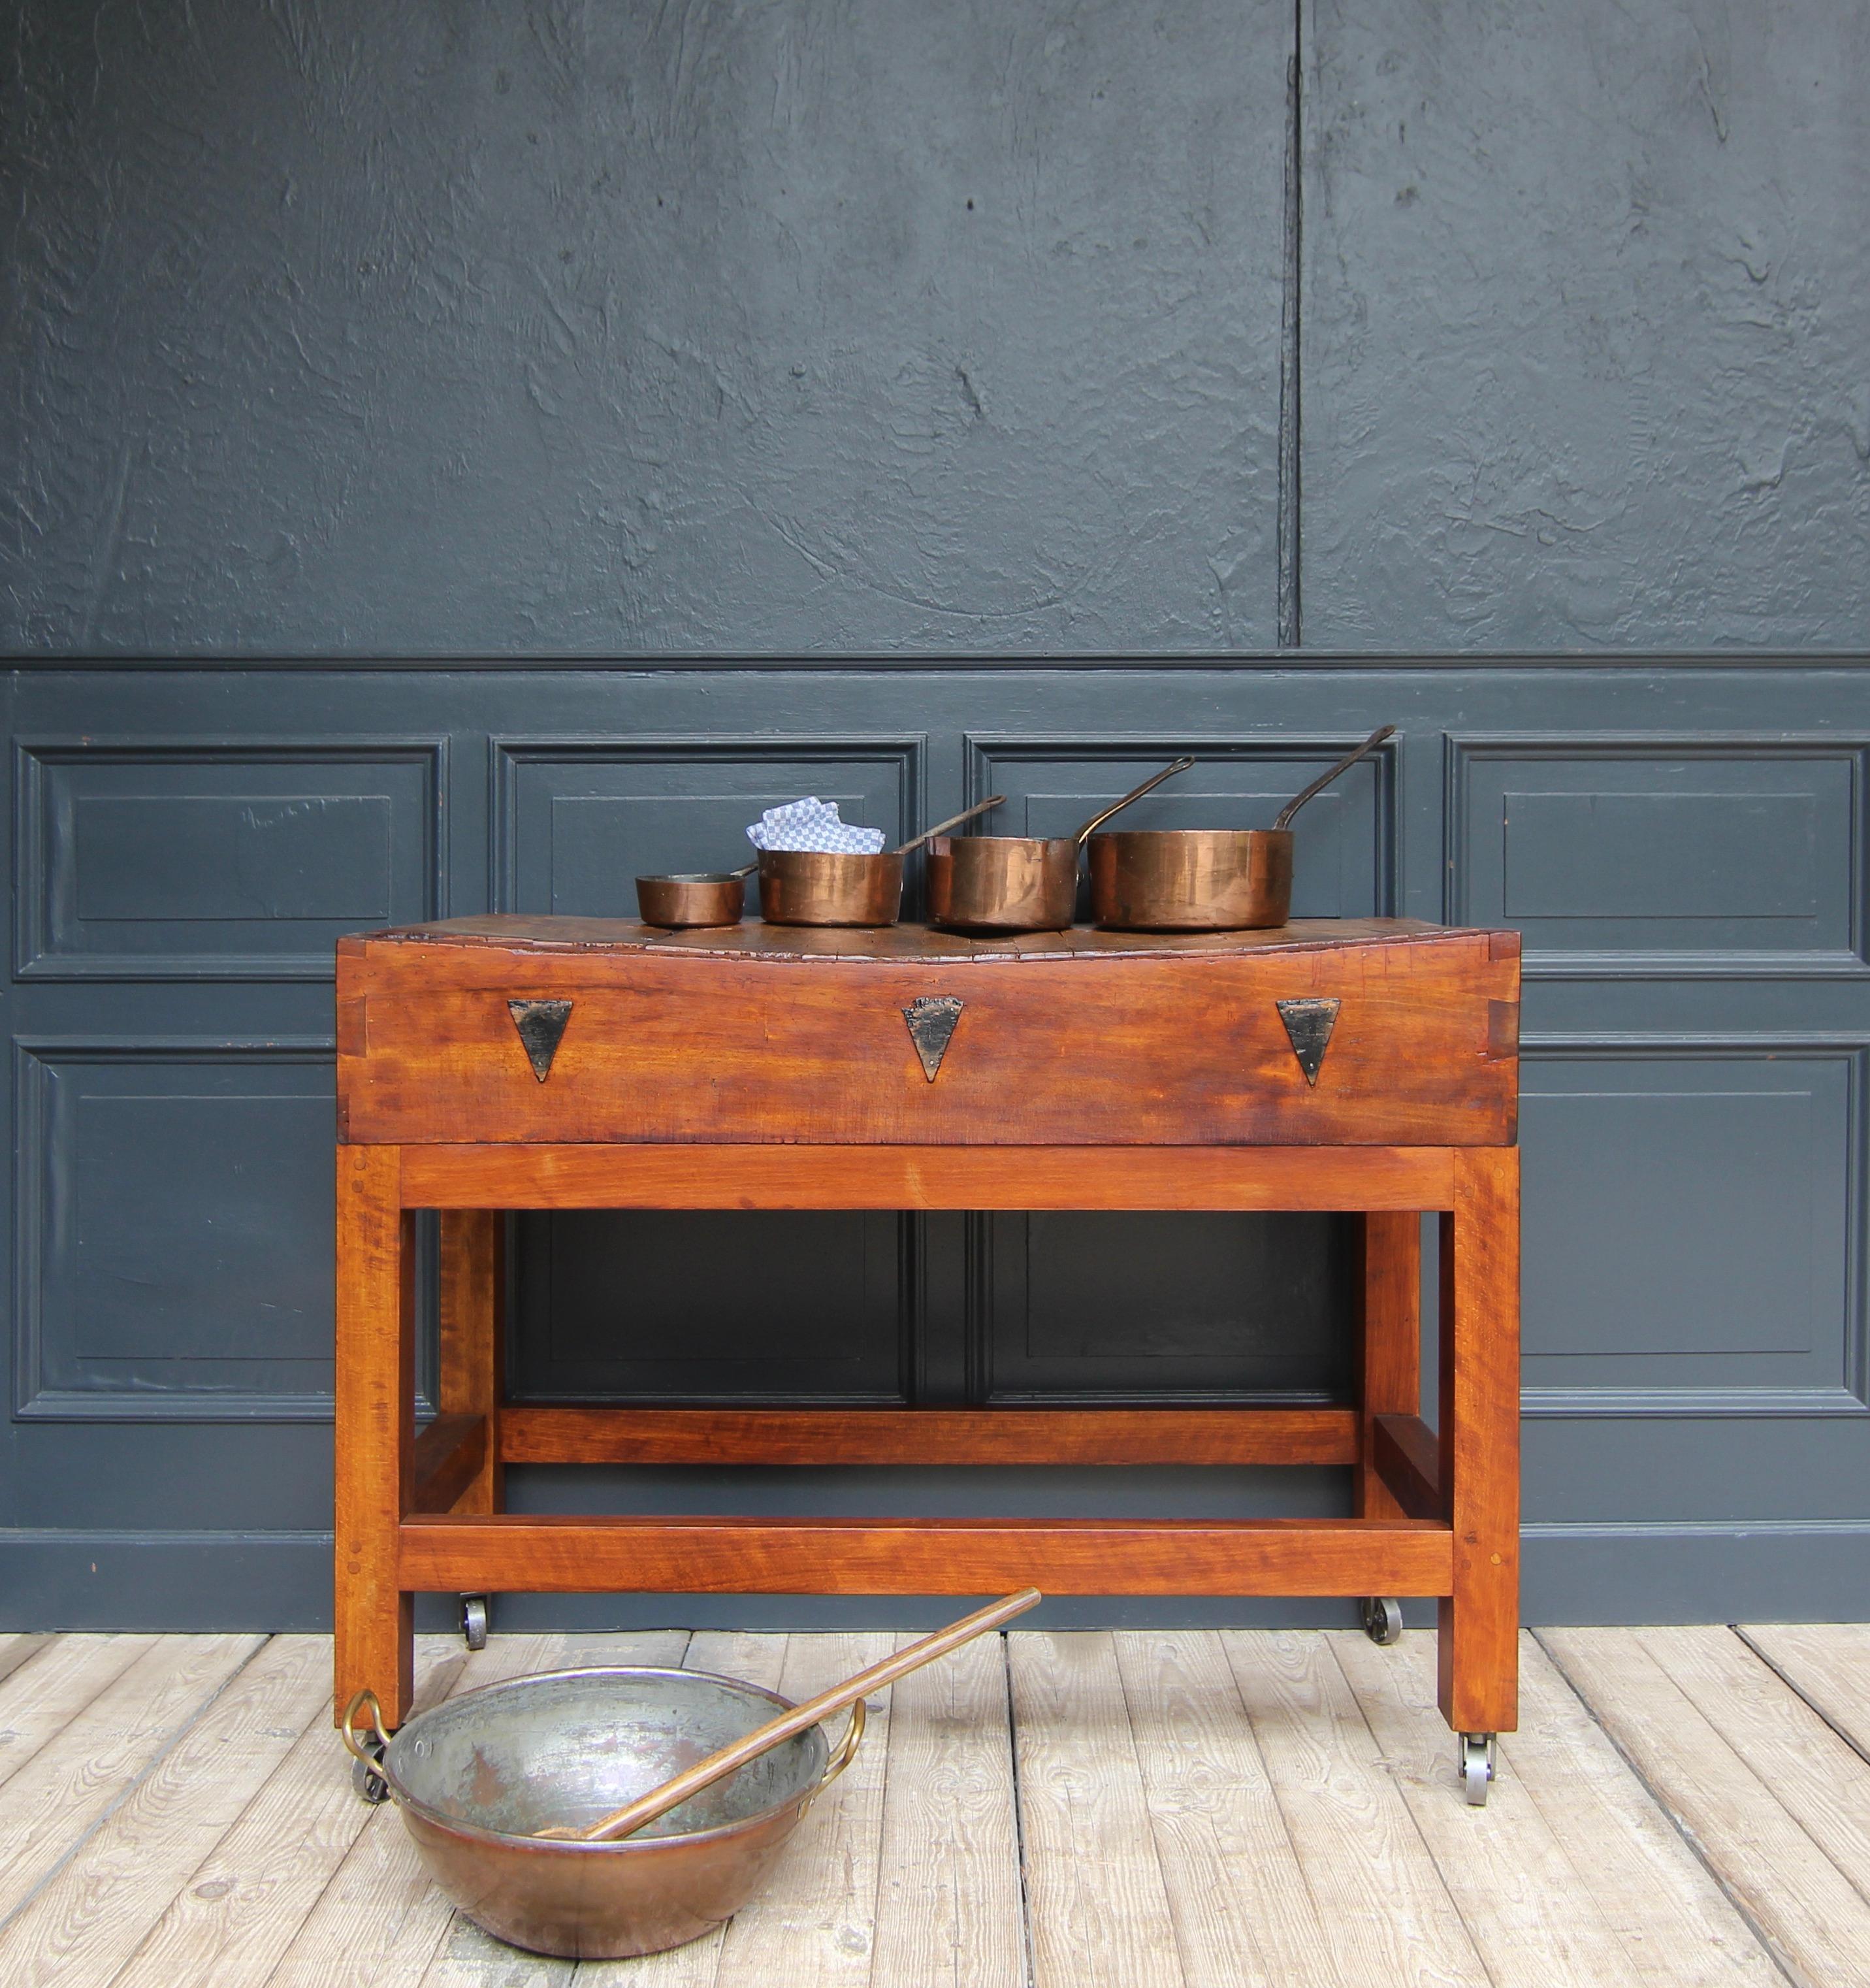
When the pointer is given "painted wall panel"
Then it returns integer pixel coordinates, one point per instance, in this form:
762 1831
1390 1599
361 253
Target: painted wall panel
580 823
1691 1138
150 862
1692 1232
1623 857
174 1226
1146 1308
700 1307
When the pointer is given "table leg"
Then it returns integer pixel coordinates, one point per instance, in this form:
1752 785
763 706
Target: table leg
1478 1653
1390 1381
375 1412
473 1302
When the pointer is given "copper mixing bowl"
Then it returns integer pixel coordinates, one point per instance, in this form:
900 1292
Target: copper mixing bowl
475 1775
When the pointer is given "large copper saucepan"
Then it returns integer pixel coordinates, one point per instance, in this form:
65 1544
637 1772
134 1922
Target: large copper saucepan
1016 883
1204 879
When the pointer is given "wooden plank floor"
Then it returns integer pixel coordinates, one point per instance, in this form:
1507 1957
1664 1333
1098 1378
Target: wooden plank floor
1147 1810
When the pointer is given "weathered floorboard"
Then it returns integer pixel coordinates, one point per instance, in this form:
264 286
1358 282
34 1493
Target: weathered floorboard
948 1906
1242 1910
1796 1897
36 1707
1536 1916
1198 1808
1100 1912
85 1923
82 1772
1384 1912
1828 1664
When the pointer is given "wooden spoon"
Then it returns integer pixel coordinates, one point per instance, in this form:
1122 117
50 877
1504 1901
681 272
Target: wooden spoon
646 1807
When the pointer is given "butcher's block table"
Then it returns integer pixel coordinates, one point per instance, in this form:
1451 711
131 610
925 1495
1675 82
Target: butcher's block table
499 1062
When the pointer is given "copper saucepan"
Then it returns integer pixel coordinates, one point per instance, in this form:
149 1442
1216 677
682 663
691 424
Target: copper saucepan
829 887
1204 879
1016 883
696 898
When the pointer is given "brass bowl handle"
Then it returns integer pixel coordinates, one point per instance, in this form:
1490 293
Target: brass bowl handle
844 1752
355 1747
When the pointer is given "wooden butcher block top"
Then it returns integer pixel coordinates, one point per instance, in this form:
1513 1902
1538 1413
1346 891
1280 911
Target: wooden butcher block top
1330 1031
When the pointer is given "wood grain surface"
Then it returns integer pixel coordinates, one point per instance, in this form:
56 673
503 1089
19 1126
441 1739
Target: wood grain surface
1289 1178
816 1436
1389 1349
925 1555
1480 1427
1110 1045
1185 1809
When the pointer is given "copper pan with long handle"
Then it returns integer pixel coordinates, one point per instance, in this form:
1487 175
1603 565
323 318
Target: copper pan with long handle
1204 879
1017 883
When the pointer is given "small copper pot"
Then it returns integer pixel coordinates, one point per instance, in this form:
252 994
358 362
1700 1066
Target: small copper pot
823 887
1204 879
699 897
1016 883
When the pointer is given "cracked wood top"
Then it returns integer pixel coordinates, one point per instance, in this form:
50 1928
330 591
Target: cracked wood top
519 932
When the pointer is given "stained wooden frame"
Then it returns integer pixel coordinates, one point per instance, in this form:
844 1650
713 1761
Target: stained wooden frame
1434 1517
1436 1510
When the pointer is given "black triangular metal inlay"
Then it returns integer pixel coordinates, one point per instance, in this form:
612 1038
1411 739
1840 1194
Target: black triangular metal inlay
542 1028
931 1020
1308 1024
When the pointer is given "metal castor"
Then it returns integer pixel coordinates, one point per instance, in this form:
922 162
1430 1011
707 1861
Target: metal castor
1477 1763
370 1785
474 1621
1383 1619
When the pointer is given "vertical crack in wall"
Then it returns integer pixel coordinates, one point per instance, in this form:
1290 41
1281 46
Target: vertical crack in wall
1290 275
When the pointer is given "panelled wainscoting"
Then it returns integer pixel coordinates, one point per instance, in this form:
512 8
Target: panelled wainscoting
1681 841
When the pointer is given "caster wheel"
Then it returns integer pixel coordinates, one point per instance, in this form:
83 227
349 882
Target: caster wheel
1477 1766
474 1621
1383 1619
370 1786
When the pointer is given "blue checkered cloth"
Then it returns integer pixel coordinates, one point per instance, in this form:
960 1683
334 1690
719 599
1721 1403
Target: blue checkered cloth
812 823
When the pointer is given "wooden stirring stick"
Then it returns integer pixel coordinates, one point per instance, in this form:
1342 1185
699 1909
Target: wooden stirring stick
646 1807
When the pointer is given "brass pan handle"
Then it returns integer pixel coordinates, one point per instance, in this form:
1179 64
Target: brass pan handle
1135 794
1284 819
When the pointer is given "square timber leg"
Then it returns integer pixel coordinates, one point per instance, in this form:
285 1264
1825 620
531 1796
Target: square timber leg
373 1621
1478 1657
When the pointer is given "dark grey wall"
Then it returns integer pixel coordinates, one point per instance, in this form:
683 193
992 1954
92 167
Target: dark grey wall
1587 288
970 336
341 328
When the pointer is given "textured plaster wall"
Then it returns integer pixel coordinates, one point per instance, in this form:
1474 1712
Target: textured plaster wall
790 326
1587 324
467 325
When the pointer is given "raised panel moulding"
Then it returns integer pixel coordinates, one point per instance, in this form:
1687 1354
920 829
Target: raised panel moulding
580 819
173 1211
1638 856
153 860
1718 1180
